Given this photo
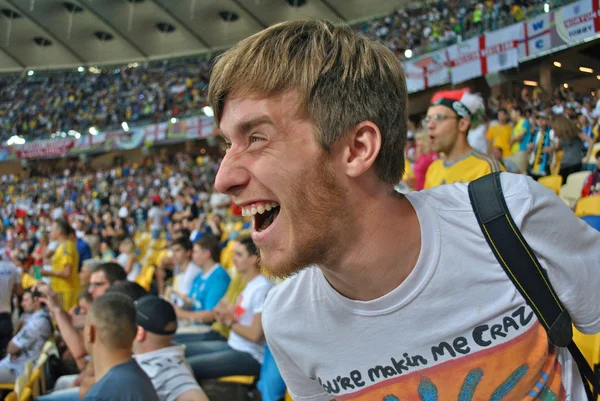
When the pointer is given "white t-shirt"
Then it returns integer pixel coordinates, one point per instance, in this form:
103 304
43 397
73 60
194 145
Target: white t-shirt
9 276
157 218
477 138
250 302
186 279
169 372
457 326
136 269
30 339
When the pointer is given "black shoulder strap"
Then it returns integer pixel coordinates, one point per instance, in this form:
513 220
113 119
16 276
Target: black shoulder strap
523 268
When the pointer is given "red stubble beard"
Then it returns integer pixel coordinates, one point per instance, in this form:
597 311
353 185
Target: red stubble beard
315 218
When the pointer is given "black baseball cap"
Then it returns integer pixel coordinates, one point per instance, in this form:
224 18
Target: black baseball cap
156 315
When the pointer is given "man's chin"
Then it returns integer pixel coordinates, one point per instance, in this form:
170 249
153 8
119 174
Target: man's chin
279 266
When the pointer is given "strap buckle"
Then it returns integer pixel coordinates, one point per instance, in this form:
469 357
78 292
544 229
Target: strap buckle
561 331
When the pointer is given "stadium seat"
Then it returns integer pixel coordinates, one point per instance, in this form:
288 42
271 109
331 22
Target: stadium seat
592 220
569 194
245 380
145 277
553 182
34 382
288 397
41 365
578 179
11 396
588 206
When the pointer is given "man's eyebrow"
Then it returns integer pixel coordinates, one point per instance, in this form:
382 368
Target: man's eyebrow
244 127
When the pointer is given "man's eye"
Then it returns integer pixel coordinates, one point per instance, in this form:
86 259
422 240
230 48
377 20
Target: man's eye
255 139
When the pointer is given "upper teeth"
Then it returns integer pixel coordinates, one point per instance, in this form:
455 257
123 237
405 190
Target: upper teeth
260 208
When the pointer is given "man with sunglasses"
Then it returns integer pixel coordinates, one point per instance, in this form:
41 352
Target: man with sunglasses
448 121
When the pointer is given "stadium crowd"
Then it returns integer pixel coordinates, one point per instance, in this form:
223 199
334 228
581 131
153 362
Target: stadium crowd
428 26
43 104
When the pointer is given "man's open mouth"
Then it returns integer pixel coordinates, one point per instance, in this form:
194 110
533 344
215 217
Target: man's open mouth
263 214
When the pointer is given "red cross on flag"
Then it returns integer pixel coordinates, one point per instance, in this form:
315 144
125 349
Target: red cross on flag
491 52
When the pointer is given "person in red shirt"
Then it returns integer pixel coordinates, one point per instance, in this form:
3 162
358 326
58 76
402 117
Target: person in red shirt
592 184
424 156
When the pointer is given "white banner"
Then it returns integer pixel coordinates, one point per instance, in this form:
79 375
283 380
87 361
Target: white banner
500 49
537 35
465 60
428 71
415 77
577 21
492 52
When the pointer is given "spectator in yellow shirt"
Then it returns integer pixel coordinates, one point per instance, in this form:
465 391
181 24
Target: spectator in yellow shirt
448 121
499 135
64 278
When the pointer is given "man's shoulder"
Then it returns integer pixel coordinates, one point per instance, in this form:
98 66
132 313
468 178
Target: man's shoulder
515 187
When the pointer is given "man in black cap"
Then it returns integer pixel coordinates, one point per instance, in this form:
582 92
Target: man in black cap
163 361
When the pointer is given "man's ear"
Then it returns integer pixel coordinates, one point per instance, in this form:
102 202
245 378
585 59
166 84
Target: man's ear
91 333
360 148
140 334
463 125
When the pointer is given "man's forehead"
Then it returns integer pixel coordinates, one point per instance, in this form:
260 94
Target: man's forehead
241 110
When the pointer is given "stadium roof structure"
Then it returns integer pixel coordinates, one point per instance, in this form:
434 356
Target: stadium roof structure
55 34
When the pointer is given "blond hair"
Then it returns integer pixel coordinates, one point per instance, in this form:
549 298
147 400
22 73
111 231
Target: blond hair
424 136
341 78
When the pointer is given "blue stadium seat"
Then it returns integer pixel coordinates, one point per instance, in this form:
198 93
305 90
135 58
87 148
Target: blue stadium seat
593 221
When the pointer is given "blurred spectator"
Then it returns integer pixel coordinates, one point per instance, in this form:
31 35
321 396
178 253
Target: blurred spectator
27 344
108 335
571 141
592 183
424 157
162 360
65 261
243 353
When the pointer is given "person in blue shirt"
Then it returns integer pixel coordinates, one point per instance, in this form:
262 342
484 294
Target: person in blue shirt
83 249
209 287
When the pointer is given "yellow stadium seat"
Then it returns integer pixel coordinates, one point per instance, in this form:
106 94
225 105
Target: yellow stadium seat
11 396
227 256
588 206
553 182
578 179
145 277
7 386
245 380
21 385
34 382
288 397
41 365
26 395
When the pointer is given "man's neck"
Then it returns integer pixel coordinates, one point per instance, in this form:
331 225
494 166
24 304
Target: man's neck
250 275
105 360
184 266
380 250
458 151
209 266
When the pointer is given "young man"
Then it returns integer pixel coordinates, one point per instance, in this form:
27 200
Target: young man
499 135
404 300
10 284
448 121
162 360
109 333
208 287
27 344
64 278
103 276
542 147
188 270
521 136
